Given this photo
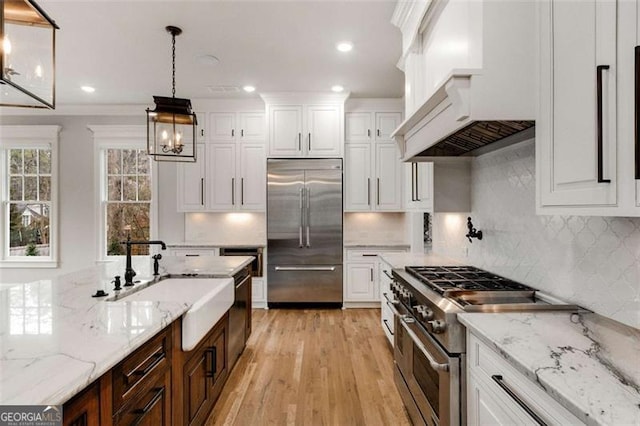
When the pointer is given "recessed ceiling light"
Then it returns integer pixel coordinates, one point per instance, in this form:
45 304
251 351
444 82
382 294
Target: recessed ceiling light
249 89
337 88
88 89
344 46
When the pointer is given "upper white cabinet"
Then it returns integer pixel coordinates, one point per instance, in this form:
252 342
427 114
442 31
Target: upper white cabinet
305 125
236 176
585 128
371 126
418 184
201 130
191 183
240 127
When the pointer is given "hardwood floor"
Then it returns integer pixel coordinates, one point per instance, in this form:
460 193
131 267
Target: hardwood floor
313 367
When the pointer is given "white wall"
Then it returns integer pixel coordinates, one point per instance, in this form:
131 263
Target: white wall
591 261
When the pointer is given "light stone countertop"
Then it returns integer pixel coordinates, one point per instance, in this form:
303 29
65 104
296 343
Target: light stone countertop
588 363
55 339
194 244
400 260
383 246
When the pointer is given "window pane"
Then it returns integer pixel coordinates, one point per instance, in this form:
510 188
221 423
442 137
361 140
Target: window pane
29 229
30 188
143 162
113 161
15 161
45 188
31 161
45 161
120 215
129 161
144 188
114 189
129 188
15 190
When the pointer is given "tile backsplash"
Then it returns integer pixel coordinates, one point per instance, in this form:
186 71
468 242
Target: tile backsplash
226 228
588 260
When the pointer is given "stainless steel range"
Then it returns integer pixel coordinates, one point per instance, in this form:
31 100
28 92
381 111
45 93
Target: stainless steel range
429 342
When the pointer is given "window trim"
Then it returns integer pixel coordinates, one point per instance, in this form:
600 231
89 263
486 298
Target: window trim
29 137
118 137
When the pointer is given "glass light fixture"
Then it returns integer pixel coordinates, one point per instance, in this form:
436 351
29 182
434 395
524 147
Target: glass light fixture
27 62
171 126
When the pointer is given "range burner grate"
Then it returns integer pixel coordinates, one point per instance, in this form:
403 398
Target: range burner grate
443 278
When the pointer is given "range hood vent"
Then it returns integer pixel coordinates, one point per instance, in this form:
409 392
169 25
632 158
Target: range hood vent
475 138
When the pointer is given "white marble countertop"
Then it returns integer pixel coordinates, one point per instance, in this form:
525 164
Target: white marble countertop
586 362
55 339
195 244
400 260
371 246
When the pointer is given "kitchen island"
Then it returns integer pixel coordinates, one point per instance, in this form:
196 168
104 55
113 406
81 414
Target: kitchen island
57 339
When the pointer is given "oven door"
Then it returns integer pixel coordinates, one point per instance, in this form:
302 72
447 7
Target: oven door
432 375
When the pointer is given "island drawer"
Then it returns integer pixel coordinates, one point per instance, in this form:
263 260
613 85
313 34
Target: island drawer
139 369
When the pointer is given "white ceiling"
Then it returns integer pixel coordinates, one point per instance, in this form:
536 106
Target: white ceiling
122 49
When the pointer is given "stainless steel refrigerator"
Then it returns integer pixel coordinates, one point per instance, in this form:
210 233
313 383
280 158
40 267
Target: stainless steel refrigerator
304 231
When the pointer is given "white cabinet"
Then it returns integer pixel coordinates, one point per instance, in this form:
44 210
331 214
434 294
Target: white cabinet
373 178
193 251
585 129
201 130
237 177
191 183
240 126
362 282
305 125
418 185
386 315
371 126
498 394
258 292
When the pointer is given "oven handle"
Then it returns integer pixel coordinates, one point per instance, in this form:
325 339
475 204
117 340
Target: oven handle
404 320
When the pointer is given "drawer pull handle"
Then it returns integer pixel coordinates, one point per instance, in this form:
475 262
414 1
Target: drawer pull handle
212 364
369 255
498 379
159 357
143 411
384 271
386 324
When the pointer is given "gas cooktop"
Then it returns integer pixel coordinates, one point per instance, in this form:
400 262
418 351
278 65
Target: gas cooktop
446 278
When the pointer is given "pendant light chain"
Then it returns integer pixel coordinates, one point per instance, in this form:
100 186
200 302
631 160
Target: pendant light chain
173 62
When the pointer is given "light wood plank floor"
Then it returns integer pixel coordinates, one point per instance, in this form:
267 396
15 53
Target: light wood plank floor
313 367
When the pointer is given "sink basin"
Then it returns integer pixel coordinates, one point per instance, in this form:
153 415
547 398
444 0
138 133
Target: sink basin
209 298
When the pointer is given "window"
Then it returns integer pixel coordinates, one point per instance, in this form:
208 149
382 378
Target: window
29 179
125 187
128 203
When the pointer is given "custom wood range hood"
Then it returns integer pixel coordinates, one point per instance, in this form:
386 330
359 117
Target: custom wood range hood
486 99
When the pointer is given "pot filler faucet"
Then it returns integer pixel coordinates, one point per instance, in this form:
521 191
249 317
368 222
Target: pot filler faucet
129 273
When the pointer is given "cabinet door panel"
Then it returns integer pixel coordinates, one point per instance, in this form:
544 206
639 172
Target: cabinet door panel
323 137
222 126
387 187
358 177
252 126
197 395
285 131
221 166
386 123
152 408
201 131
358 126
252 185
84 408
485 408
360 283
582 36
191 183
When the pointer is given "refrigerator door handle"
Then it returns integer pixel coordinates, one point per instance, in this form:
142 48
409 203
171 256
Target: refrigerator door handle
308 217
300 243
305 268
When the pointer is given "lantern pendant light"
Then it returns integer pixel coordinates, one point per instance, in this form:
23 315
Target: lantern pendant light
27 55
171 126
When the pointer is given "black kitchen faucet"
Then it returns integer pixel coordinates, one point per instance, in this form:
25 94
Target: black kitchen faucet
129 273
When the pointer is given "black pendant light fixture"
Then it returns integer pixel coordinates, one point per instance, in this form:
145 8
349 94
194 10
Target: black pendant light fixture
27 55
171 126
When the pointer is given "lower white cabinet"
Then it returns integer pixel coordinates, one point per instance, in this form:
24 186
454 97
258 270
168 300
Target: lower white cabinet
386 316
258 292
498 394
362 276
